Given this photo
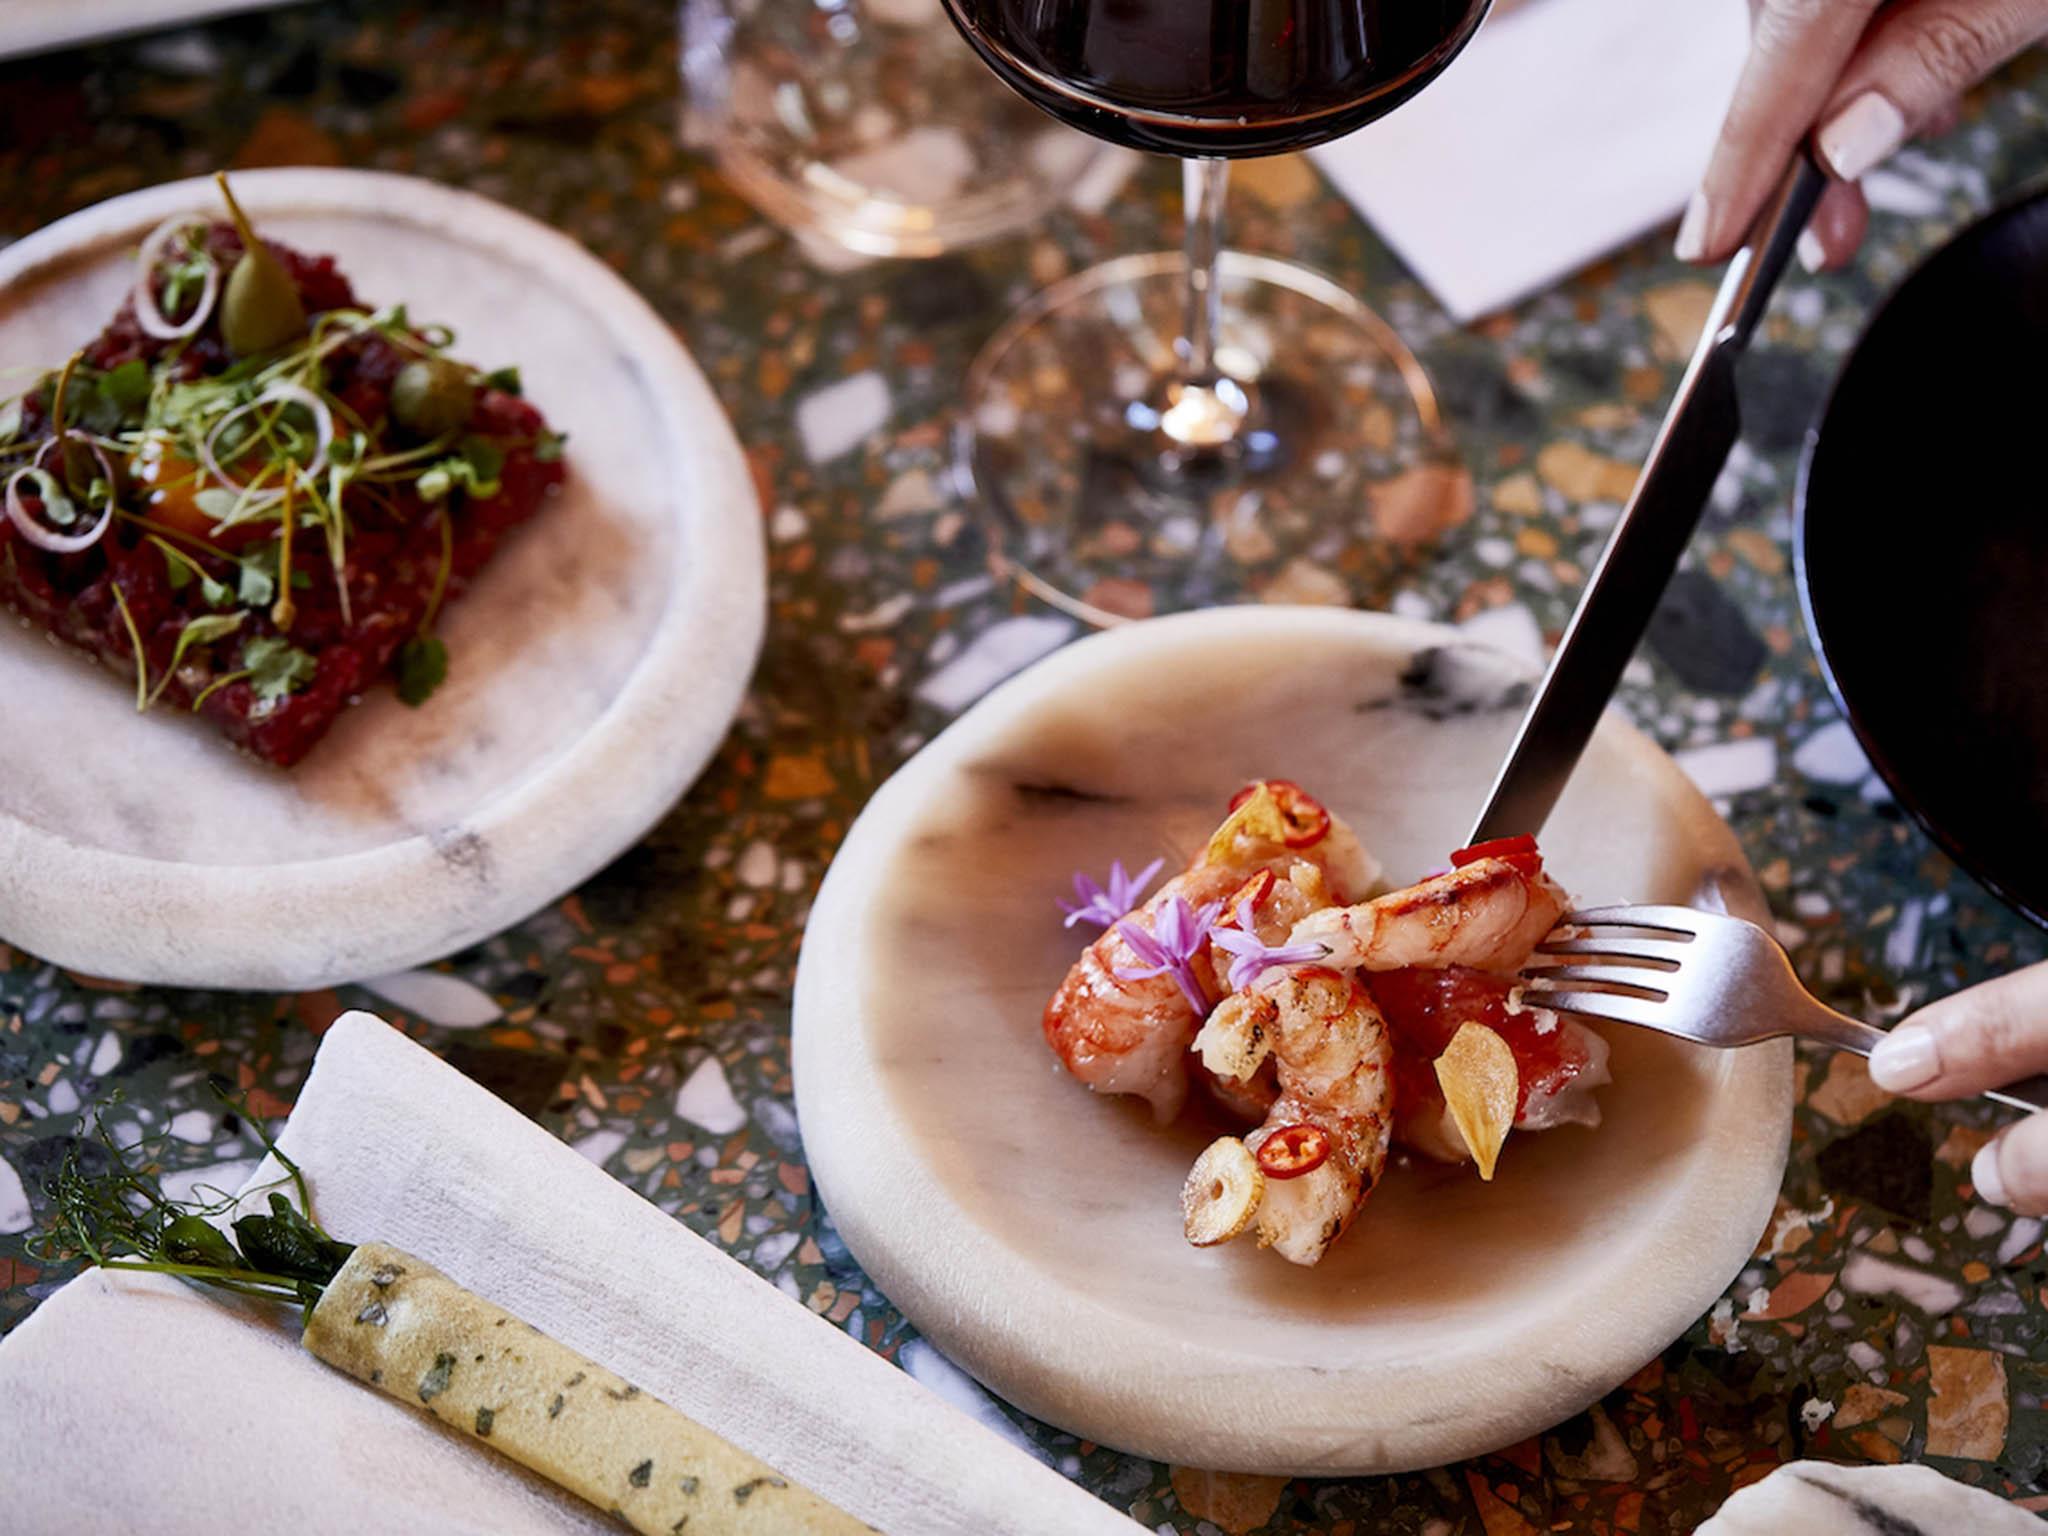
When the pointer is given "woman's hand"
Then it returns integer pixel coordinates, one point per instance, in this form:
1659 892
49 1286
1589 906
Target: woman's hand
1982 1037
1871 76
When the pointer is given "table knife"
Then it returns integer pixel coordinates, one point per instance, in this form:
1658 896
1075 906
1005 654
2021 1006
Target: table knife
1662 512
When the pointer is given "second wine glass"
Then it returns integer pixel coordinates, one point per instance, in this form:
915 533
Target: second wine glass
1163 430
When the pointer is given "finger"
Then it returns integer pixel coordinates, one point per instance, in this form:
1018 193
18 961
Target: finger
1992 1033
1836 228
1913 63
1796 52
2012 1169
1943 121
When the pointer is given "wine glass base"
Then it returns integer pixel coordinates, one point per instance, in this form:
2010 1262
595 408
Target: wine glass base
1342 465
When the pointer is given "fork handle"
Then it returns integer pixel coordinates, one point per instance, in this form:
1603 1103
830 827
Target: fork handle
1845 1033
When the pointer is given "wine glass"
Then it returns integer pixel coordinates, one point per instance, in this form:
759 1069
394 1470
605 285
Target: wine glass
865 125
1163 430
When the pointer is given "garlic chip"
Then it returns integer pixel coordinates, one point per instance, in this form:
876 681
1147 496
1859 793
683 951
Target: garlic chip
1480 1084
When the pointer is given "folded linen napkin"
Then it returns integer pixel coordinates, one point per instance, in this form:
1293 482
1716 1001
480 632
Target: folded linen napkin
137 1403
1566 128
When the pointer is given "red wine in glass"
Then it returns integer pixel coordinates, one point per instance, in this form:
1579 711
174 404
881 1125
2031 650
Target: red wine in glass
1217 78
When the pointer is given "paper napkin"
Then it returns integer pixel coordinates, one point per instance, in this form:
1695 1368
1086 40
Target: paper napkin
136 1403
1566 128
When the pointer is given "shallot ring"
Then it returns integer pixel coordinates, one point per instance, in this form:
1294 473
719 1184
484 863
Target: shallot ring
36 532
294 394
148 314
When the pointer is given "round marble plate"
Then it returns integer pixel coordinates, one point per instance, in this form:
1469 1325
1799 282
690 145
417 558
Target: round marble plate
594 666
1032 1230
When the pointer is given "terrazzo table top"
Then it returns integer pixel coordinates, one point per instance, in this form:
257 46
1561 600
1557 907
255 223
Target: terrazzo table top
1885 1316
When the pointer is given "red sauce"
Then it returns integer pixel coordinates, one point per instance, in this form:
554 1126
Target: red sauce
1424 1008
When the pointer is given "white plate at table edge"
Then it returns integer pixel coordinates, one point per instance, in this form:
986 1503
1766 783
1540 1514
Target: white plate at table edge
1062 1343
416 898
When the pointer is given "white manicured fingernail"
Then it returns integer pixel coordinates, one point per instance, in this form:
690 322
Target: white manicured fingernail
1860 135
1812 254
1984 1174
1905 1059
1692 230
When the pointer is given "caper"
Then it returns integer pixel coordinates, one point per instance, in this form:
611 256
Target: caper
261 308
432 395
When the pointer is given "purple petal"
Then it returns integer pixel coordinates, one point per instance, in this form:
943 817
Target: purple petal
1143 944
1237 941
1124 974
1127 888
1191 989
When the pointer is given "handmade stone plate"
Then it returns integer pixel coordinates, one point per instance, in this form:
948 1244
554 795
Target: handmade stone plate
593 667
1032 1230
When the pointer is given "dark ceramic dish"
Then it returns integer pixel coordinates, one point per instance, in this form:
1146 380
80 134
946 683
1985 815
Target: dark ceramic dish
1922 547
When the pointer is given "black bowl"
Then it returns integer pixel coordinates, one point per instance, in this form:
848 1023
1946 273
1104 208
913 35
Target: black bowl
1922 547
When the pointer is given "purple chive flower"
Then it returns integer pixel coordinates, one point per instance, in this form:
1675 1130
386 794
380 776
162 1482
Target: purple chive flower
1253 956
1178 933
1105 907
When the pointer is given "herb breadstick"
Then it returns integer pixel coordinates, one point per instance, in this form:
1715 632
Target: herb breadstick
400 1324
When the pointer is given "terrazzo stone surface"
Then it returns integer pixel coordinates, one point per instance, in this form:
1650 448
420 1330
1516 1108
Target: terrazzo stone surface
1885 1317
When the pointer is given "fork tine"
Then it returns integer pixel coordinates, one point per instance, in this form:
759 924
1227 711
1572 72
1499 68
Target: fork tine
1638 977
1665 951
1617 1007
1670 919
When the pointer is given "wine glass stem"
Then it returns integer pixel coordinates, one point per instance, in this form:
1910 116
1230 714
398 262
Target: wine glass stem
1203 184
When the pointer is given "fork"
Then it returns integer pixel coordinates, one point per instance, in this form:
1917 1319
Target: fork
1704 977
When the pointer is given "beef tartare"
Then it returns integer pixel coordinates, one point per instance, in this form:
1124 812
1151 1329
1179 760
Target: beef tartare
252 496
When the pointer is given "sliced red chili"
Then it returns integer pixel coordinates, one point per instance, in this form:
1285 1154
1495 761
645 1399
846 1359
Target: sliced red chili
1293 1150
1519 851
1308 822
1252 892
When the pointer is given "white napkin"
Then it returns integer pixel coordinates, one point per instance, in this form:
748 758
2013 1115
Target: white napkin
138 1404
1566 128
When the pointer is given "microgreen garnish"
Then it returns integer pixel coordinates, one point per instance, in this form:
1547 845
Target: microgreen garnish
1178 934
276 666
135 642
505 379
111 1210
422 667
203 630
474 470
1253 956
1104 907
180 569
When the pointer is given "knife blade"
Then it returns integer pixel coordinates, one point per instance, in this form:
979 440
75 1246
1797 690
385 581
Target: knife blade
1702 425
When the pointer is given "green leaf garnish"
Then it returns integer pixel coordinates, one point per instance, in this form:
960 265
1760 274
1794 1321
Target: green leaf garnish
473 469
127 386
506 379
276 666
548 446
110 1209
180 569
200 631
422 667
286 1243
217 502
58 508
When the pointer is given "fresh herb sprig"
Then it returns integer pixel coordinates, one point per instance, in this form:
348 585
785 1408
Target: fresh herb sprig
117 1216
